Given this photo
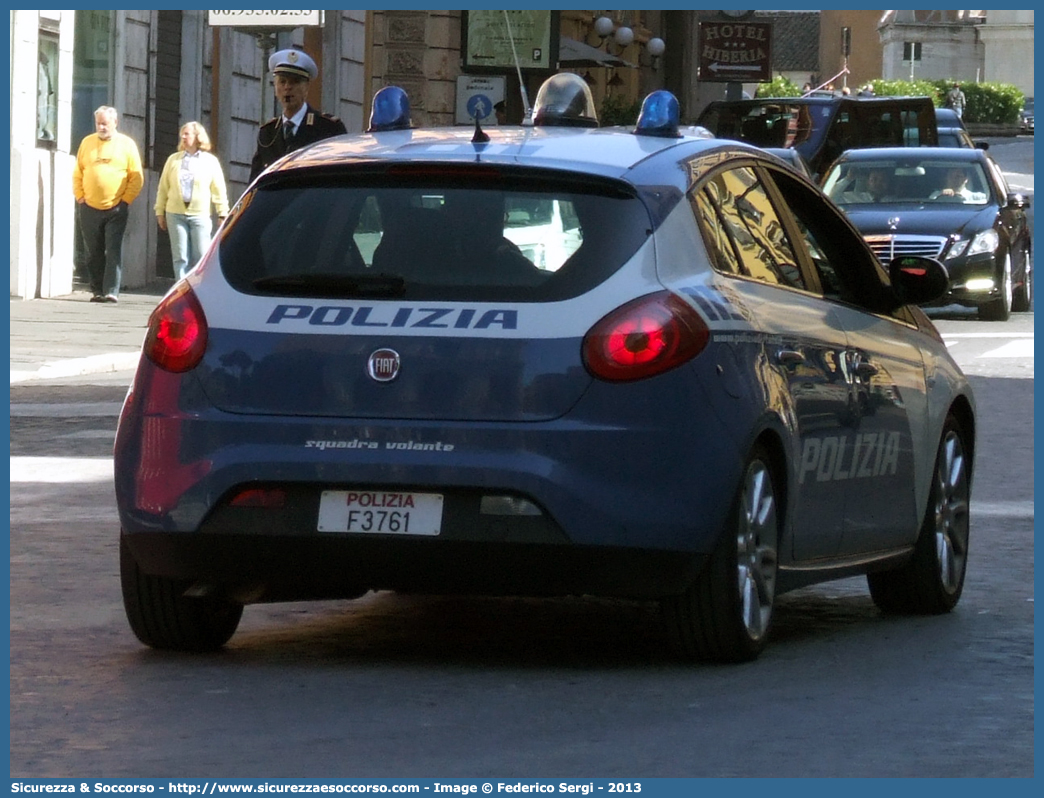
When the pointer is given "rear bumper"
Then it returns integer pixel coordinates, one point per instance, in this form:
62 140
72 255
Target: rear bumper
632 489
250 568
661 488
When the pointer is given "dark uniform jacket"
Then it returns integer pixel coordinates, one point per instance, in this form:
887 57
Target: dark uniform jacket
270 145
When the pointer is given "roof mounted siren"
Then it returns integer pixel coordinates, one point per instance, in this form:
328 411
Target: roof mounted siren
390 110
659 116
565 100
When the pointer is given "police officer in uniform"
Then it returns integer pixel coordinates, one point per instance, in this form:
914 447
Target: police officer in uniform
300 123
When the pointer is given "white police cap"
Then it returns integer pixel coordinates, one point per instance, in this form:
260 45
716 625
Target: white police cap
293 62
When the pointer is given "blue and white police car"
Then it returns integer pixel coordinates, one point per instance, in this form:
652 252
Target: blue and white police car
545 360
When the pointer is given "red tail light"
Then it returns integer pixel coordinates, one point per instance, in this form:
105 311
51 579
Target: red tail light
177 336
259 497
645 337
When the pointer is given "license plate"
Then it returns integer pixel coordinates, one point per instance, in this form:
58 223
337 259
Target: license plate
380 513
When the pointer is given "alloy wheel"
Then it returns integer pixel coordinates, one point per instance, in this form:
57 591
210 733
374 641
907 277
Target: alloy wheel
756 550
951 513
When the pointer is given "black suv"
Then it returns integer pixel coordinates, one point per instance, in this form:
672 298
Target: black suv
822 127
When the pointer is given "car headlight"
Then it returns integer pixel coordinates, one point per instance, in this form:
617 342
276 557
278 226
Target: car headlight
986 241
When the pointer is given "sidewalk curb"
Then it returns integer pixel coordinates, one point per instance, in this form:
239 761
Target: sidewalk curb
67 336
80 366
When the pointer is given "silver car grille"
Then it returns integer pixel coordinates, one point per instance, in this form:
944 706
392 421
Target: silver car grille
888 247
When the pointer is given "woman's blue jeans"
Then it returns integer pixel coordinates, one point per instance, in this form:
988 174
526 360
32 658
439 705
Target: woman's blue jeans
189 239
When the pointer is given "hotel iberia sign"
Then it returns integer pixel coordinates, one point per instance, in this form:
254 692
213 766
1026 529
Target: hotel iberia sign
735 51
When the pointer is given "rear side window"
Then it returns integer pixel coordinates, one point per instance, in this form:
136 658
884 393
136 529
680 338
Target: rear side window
902 123
771 124
879 127
441 235
752 240
719 244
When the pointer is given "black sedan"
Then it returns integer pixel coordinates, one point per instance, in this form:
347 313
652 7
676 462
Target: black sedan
958 137
946 203
948 118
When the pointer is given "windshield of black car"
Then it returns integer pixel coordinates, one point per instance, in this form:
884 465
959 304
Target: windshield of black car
435 233
924 181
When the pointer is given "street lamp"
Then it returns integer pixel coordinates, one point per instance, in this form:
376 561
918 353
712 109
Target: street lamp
655 47
623 36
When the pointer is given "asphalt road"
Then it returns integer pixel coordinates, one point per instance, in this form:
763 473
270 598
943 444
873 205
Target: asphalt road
413 686
398 686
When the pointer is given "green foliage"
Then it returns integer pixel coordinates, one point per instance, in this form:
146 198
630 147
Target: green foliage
618 110
998 103
779 86
907 88
987 102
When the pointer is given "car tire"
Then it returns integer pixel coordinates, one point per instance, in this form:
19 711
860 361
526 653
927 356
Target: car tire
725 615
1022 299
932 581
163 617
1000 309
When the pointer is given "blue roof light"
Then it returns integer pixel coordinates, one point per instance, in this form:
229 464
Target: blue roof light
659 115
390 110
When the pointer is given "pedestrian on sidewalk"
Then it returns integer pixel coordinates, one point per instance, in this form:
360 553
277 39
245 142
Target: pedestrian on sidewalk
300 123
191 185
107 178
956 100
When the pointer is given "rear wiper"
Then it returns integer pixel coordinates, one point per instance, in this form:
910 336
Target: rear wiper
388 286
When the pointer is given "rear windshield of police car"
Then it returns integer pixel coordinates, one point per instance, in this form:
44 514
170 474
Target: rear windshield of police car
440 233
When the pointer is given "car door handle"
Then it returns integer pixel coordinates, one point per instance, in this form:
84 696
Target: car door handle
789 357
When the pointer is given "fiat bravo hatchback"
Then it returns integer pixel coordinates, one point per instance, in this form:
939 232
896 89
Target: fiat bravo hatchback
692 383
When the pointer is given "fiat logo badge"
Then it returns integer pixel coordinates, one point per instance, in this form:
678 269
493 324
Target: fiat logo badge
383 365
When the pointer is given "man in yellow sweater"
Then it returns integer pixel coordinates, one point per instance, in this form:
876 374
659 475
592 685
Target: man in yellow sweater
106 179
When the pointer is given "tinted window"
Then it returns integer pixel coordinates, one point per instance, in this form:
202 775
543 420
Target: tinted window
445 237
719 244
764 124
821 130
847 270
954 137
751 225
546 229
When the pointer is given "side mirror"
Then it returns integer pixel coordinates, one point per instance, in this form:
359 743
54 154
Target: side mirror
982 145
917 280
1018 201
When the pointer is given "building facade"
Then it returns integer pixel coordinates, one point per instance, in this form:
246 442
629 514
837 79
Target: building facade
858 50
159 69
992 46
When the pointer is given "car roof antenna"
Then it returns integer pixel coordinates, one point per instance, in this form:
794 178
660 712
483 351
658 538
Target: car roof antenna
481 136
527 118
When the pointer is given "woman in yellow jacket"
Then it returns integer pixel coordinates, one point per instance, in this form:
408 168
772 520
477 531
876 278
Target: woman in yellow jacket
192 182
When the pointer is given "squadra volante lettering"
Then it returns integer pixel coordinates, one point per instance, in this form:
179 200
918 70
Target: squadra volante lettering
355 443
